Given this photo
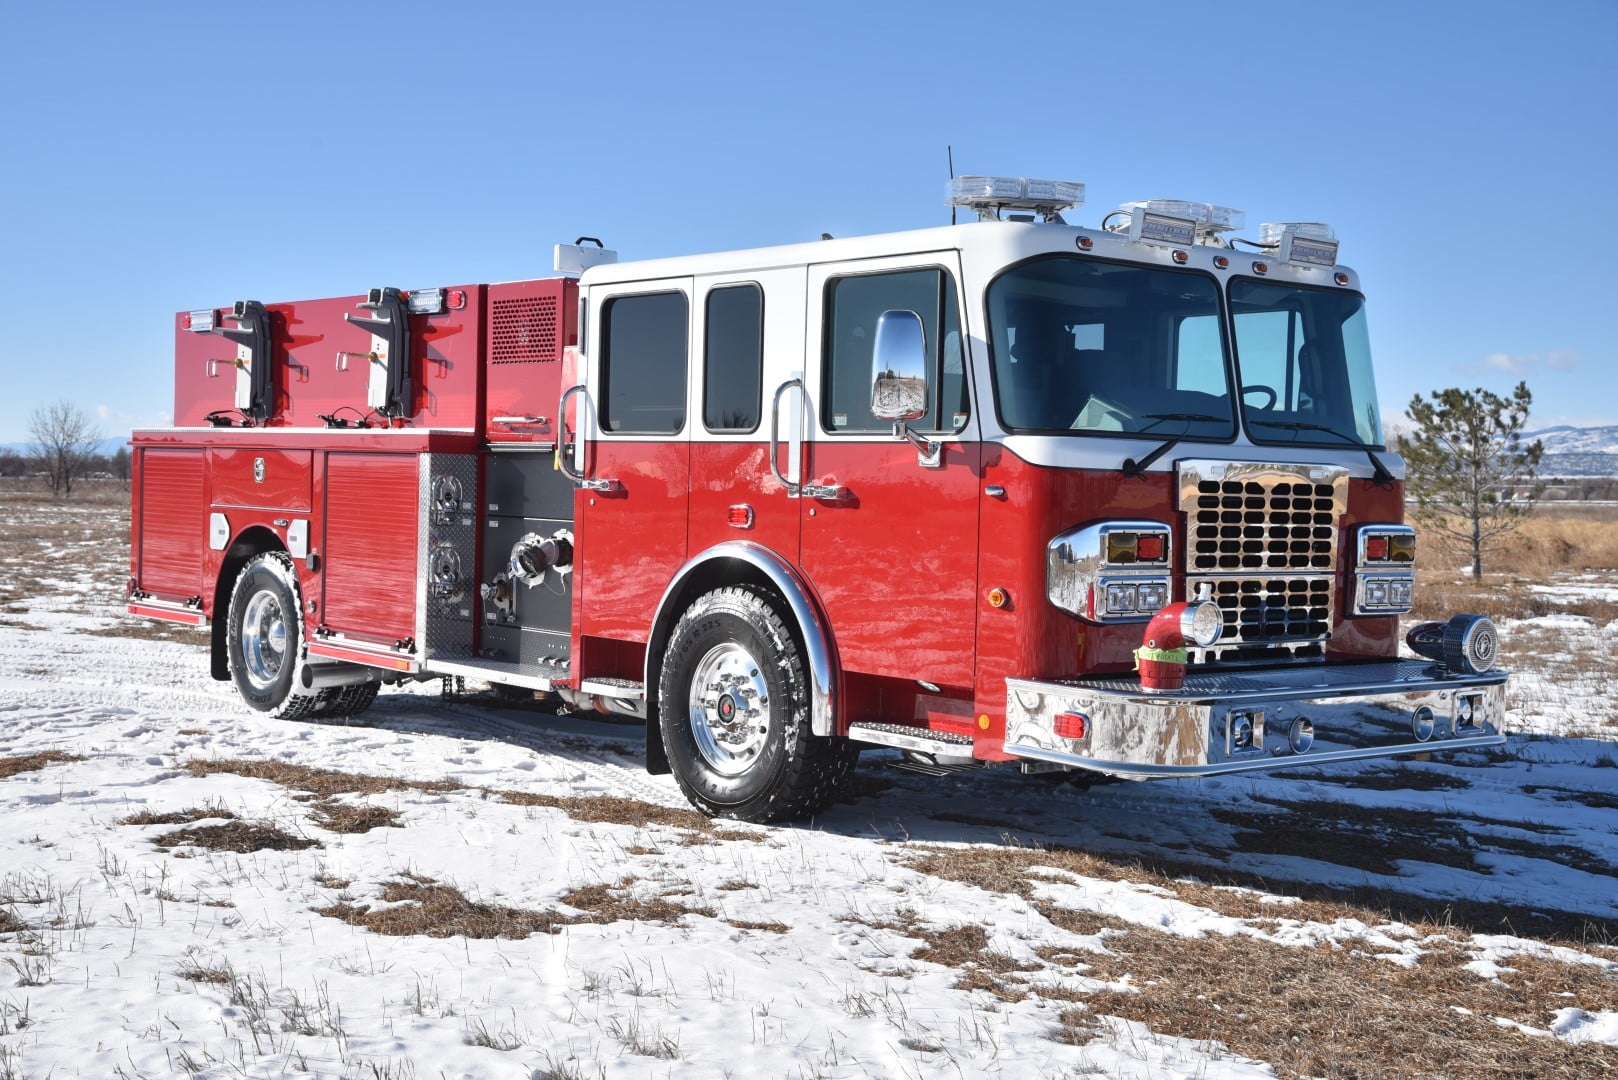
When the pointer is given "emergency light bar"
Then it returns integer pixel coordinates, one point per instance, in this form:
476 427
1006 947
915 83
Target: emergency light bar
1178 223
1303 243
989 195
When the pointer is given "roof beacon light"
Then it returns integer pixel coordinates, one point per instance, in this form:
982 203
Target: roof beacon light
989 195
1177 223
1302 243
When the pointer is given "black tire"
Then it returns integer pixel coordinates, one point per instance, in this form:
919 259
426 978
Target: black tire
347 701
734 713
264 640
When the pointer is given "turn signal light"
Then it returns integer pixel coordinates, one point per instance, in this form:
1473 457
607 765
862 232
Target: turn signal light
1069 725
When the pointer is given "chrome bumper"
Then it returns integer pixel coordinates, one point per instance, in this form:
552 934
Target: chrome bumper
1355 711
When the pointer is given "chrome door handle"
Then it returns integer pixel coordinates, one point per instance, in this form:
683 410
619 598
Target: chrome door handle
775 436
565 451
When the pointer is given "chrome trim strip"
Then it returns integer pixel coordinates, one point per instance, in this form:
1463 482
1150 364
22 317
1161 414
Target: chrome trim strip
816 640
1255 764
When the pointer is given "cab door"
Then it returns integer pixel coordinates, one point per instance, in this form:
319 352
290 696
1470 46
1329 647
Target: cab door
636 455
749 344
889 543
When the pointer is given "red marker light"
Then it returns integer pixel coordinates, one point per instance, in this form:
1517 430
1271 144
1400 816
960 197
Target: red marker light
1069 725
457 299
1376 547
1149 548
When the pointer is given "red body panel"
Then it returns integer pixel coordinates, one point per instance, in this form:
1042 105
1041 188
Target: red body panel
727 474
892 562
310 379
529 324
285 484
630 541
371 545
171 524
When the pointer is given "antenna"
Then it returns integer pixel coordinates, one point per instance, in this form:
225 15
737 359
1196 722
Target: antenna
950 150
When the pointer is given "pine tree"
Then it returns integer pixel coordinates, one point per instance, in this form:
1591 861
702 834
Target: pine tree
1466 466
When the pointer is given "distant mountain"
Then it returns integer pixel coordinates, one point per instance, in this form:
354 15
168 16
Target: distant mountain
1564 439
1577 452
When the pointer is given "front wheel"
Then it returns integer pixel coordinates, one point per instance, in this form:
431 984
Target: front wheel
734 713
264 639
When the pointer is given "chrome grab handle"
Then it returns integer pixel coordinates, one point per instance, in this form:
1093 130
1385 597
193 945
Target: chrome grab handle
510 420
565 450
775 435
795 490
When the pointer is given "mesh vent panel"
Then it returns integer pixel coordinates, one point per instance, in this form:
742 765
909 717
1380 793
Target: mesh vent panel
526 330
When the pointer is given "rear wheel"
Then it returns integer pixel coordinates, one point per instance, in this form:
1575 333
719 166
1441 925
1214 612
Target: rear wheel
264 640
734 713
348 701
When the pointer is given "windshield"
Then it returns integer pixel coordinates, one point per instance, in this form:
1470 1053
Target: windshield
1305 362
1081 345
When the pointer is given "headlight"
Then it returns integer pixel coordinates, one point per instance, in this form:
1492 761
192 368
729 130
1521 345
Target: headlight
1111 571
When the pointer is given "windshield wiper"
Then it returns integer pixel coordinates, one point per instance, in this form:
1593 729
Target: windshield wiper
1136 468
1381 477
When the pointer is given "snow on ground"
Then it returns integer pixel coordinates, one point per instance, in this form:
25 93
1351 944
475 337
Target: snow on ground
641 941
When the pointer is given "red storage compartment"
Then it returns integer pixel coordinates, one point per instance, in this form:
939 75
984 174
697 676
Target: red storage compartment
529 324
173 525
371 553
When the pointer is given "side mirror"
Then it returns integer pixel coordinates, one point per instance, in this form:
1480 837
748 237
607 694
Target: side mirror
899 368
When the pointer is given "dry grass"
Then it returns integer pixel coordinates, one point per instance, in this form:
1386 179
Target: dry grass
1555 539
178 817
321 782
430 909
1340 1014
422 906
21 763
338 817
1333 1011
238 836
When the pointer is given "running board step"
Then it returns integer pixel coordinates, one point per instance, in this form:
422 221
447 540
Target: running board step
627 689
942 745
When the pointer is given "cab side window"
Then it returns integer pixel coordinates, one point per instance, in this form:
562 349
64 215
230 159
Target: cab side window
853 305
643 363
733 359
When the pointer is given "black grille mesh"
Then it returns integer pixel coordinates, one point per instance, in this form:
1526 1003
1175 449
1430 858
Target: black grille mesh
1264 610
1248 526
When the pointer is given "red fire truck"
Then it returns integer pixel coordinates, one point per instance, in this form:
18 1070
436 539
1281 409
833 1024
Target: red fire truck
1111 499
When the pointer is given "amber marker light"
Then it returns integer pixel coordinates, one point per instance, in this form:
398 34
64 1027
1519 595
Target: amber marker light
1261 268
998 597
1221 262
1085 243
1181 257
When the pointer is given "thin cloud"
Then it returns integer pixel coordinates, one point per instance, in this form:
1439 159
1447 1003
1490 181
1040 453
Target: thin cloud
1560 360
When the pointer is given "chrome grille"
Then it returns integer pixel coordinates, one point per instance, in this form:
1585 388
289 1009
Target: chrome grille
1248 526
1263 538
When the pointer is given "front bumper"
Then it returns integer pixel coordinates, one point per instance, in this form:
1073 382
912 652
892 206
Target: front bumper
1237 721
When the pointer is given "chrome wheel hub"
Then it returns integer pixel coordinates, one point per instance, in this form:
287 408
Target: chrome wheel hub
264 639
728 706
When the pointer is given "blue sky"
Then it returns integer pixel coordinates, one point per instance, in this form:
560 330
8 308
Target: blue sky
169 156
